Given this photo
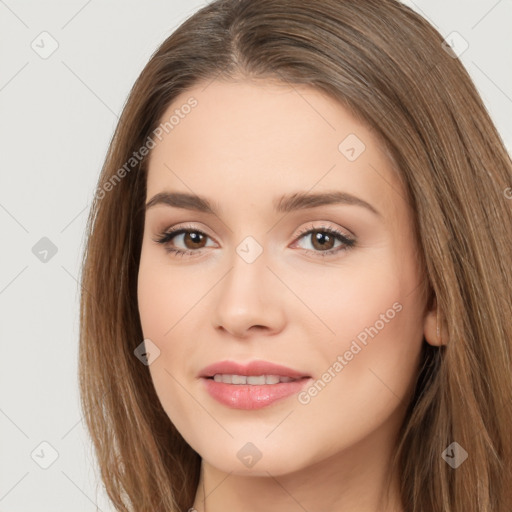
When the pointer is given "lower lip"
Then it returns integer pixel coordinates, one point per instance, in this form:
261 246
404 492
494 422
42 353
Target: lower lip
245 396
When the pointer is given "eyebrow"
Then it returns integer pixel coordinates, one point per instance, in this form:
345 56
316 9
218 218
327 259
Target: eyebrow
284 204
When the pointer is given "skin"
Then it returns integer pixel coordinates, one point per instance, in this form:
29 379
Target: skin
244 144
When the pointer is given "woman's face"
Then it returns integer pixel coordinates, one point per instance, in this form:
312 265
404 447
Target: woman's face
340 306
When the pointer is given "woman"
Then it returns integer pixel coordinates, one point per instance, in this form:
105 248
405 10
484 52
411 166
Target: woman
297 282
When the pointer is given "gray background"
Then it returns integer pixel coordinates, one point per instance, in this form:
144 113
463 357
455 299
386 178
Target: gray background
57 116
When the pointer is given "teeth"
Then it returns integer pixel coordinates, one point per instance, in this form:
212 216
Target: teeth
238 379
251 380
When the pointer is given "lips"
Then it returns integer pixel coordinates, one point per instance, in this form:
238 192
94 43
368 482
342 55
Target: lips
254 368
253 385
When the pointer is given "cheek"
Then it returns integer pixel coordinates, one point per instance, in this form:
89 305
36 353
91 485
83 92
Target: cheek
368 367
167 300
164 295
351 296
155 301
374 315
158 309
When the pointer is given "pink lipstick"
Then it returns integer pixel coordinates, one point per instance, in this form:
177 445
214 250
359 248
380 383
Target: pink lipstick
253 385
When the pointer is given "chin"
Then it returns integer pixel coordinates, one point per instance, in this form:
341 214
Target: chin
256 458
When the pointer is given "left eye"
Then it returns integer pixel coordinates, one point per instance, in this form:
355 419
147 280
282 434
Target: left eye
322 240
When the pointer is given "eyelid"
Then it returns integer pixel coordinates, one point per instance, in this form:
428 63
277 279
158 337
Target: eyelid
311 227
349 235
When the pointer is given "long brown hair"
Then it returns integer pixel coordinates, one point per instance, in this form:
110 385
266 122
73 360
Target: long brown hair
387 65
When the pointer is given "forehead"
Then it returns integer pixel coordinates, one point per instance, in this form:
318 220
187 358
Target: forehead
263 139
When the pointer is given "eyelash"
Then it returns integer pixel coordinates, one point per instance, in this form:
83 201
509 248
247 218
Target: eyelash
165 237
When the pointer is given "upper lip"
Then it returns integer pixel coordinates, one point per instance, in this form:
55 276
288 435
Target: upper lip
253 368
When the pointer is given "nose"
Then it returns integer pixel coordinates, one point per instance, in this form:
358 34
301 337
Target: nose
249 300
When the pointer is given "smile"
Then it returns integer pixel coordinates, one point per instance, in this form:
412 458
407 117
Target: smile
251 379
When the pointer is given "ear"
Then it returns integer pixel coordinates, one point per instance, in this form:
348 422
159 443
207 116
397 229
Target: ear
433 328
